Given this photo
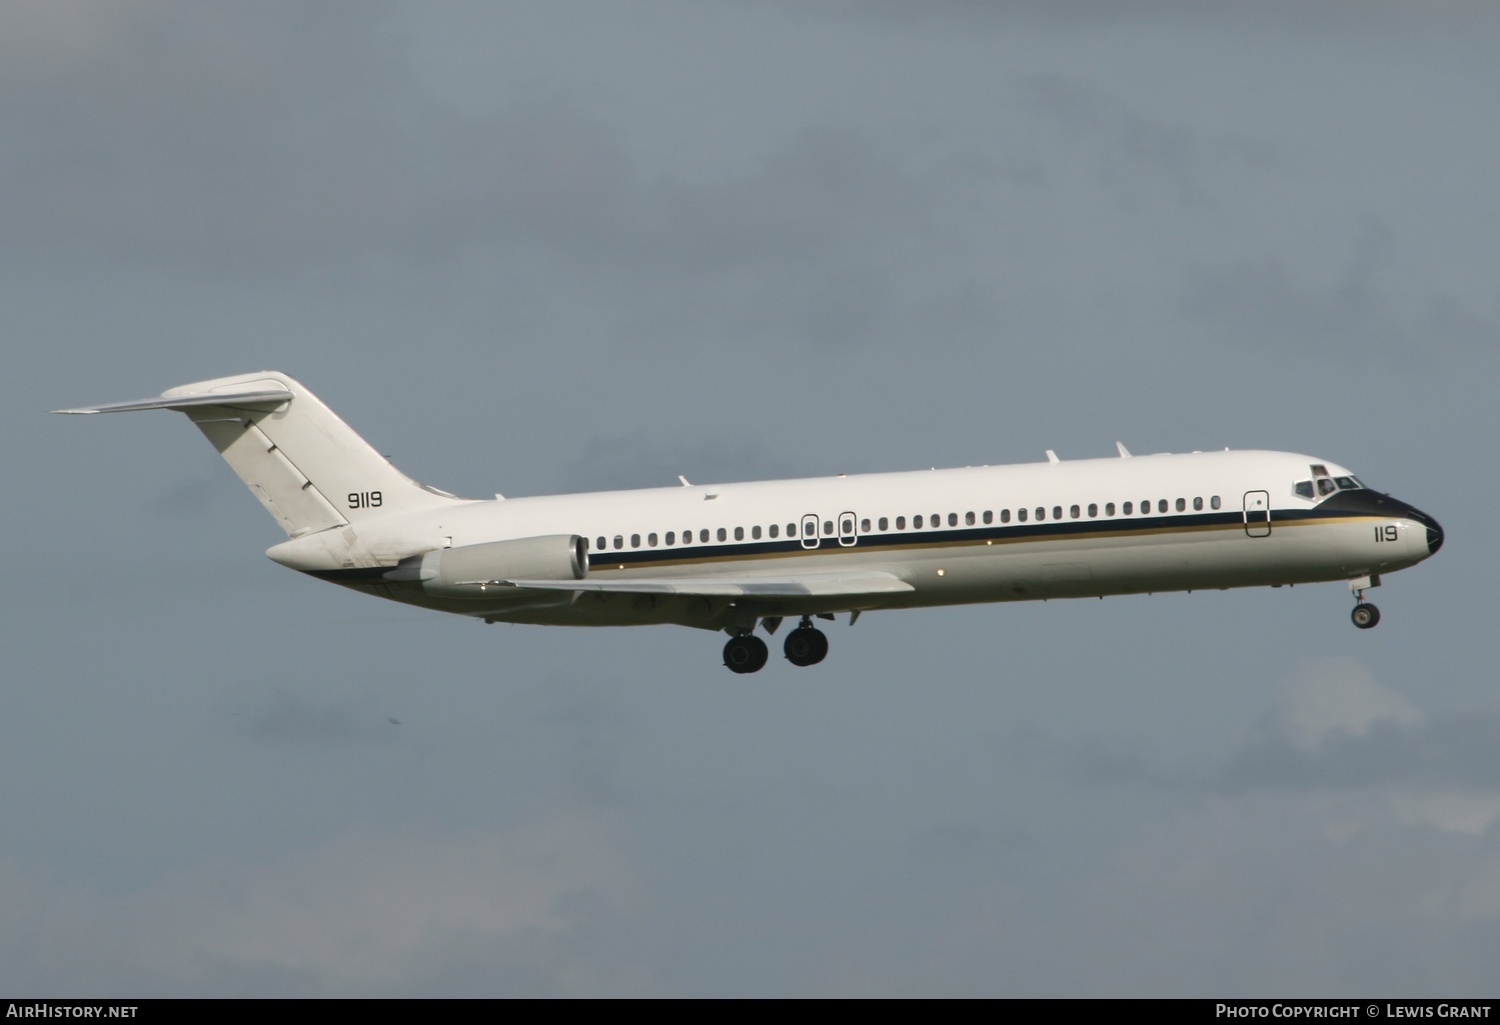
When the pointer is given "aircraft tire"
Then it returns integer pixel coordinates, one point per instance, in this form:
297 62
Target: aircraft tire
745 654
806 646
1365 615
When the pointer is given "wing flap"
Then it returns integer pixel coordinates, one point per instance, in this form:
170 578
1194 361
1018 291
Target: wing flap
809 585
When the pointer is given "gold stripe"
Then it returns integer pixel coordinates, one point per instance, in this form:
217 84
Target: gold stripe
982 543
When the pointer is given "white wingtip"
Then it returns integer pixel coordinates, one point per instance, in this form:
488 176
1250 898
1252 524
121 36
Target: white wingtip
1124 452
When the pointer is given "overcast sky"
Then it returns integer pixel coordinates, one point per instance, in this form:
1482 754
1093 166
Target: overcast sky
541 247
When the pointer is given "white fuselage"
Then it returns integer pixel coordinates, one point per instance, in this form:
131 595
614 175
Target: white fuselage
979 534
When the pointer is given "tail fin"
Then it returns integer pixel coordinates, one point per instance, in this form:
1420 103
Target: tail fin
304 464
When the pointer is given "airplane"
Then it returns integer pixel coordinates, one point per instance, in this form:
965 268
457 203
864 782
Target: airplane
734 557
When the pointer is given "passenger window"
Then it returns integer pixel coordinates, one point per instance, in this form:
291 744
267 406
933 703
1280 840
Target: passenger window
1182 505
791 530
1161 505
703 535
775 529
1057 512
916 523
739 533
619 541
1213 503
671 538
635 540
1093 510
600 546
953 519
1128 508
1041 513
864 526
1021 515
755 533
651 540
900 522
827 528
989 516
1109 509
885 524
1198 504
1073 512
1004 515
723 534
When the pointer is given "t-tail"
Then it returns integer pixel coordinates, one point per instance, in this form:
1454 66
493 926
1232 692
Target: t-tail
309 469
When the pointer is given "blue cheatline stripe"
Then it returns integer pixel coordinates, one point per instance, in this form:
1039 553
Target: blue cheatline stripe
1010 533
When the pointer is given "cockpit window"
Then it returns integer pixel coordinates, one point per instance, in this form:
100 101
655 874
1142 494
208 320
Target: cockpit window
1321 487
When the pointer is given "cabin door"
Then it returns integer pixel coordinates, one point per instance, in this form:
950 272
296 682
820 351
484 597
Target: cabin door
810 530
1257 514
847 535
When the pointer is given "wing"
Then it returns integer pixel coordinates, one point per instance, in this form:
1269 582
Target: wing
804 585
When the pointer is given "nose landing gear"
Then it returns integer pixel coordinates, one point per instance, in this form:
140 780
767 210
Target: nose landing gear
1364 615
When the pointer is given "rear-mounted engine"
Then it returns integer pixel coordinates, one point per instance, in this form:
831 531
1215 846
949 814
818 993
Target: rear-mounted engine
475 571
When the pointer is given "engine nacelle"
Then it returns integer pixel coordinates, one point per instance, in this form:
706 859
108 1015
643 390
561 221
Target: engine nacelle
471 571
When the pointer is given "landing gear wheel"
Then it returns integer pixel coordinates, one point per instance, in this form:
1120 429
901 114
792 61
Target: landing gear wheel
806 646
745 654
1365 615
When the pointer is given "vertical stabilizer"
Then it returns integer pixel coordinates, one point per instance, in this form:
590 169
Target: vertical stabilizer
303 463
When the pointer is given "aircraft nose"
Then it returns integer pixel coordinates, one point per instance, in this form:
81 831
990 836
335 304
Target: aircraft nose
1434 536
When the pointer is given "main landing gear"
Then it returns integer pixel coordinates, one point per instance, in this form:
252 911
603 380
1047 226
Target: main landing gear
805 646
745 653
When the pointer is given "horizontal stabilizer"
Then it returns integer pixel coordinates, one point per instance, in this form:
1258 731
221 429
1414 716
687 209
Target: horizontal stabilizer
304 465
267 396
820 585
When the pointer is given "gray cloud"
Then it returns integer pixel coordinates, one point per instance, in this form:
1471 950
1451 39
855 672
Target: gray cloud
1138 159
638 460
545 909
250 136
285 715
1334 728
